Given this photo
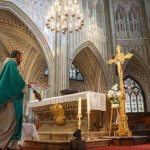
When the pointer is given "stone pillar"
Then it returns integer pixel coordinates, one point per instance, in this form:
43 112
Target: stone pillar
147 22
146 6
61 62
113 36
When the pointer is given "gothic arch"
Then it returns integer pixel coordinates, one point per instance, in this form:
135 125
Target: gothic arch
138 57
138 70
5 5
96 53
4 40
134 91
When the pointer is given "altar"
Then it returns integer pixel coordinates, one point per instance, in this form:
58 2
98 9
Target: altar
59 115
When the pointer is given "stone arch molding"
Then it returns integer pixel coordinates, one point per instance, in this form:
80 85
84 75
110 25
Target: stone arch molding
137 56
138 70
94 50
4 40
6 5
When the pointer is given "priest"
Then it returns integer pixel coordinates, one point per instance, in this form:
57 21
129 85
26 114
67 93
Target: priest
12 89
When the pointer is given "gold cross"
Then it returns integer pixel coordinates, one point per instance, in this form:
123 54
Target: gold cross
119 59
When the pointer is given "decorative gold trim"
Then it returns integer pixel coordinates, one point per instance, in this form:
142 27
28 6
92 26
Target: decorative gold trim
58 113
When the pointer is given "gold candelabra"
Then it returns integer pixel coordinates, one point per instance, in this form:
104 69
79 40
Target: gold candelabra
119 59
88 115
65 16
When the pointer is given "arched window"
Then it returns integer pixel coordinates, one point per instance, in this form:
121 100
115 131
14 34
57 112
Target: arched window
46 71
134 96
75 73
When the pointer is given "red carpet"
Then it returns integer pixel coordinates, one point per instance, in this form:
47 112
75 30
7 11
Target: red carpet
136 147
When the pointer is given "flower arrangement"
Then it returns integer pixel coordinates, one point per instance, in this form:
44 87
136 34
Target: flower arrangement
114 94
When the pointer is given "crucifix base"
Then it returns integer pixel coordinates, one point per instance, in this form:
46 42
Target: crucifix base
123 129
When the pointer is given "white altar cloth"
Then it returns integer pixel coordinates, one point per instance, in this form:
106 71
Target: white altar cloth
97 101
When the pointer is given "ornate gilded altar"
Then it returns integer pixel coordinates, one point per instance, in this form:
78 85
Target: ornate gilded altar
59 114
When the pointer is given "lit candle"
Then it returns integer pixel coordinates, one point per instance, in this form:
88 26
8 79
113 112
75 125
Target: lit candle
79 106
88 102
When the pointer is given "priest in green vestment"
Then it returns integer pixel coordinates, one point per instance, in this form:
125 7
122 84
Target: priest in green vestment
12 89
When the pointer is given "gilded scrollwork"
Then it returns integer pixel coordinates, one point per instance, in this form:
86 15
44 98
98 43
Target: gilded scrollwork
58 113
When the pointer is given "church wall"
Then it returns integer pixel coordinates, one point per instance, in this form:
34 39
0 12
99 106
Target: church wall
130 27
38 17
147 18
93 24
130 31
33 30
147 12
3 53
95 30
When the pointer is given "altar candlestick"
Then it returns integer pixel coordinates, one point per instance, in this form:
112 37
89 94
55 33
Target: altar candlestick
31 94
79 106
88 102
42 94
88 114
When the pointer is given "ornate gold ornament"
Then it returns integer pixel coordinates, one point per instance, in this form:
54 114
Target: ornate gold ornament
119 59
58 113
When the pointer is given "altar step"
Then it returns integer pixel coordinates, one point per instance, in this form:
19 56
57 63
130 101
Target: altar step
126 141
66 136
62 145
93 143
141 132
140 129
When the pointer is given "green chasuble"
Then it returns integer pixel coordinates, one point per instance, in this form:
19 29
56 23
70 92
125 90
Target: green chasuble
11 86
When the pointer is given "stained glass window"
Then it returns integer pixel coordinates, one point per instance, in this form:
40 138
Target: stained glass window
75 73
134 96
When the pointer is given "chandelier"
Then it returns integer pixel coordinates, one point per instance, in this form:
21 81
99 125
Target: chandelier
65 16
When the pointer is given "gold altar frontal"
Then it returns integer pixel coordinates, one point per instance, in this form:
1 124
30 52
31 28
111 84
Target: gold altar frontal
53 129
50 129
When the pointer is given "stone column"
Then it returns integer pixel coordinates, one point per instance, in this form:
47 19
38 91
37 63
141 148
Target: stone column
61 62
146 9
147 20
112 35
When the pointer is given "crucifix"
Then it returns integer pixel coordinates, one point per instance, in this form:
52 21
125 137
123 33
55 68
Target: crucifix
119 59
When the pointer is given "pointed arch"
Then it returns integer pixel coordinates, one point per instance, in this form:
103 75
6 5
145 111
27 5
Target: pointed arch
138 70
135 96
137 56
94 50
11 7
4 40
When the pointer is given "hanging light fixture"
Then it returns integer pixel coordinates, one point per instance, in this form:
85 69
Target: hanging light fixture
65 16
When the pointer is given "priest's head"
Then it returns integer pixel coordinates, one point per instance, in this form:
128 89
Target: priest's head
16 55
